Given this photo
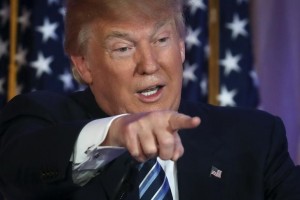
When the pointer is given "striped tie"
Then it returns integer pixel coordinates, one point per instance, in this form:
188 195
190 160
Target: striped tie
153 183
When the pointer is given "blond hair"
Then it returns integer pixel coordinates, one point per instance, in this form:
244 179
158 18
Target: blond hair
80 13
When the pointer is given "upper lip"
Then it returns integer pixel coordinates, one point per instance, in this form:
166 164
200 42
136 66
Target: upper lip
150 87
150 82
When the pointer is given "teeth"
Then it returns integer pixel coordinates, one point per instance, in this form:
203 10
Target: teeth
150 91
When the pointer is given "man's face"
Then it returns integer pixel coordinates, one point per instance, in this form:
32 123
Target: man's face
133 66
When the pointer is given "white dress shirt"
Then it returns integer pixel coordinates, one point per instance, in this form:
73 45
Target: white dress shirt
88 156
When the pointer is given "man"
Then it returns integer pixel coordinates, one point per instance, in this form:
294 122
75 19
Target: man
94 144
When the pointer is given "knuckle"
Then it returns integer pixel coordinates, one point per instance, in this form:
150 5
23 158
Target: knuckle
167 142
151 151
139 159
129 128
135 153
179 150
165 155
129 133
129 139
166 148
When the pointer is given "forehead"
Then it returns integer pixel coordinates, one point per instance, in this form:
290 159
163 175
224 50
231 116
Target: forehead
136 15
134 28
139 25
135 11
131 20
129 9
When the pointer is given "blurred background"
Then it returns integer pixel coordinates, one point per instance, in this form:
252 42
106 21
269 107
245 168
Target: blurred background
257 63
276 42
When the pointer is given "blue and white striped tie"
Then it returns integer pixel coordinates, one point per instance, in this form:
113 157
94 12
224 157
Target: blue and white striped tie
153 183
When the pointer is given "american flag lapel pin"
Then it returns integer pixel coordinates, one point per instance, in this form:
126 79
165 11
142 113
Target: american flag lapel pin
215 172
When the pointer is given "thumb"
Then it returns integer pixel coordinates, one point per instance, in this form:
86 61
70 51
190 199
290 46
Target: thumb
181 121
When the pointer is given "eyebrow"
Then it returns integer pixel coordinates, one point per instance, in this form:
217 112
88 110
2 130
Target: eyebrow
126 36
159 25
118 34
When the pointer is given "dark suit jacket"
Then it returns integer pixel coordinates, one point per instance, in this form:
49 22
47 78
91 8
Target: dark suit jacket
38 132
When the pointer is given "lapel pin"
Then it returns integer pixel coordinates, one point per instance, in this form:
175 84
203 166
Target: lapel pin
215 172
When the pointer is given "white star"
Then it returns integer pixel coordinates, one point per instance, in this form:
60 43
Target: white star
195 5
226 97
237 26
62 11
192 38
2 81
42 65
241 1
48 30
203 85
189 73
50 2
254 77
67 80
4 14
24 20
3 48
207 50
230 63
21 56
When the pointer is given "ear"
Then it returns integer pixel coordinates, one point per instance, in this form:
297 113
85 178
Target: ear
182 50
82 68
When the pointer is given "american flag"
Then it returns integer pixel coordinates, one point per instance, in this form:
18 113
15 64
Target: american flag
215 172
238 80
4 35
42 64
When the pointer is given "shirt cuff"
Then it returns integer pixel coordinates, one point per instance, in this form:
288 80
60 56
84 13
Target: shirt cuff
90 137
88 157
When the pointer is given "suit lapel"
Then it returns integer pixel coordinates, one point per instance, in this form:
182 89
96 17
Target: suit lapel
201 145
119 179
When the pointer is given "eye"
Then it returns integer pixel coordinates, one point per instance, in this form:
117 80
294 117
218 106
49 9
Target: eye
122 49
162 40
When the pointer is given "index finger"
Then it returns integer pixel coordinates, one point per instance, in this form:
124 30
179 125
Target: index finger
181 121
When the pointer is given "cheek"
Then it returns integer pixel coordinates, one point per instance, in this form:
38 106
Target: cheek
178 80
176 71
112 80
175 65
111 73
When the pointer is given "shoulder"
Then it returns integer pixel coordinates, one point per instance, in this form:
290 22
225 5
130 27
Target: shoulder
39 99
230 116
239 128
249 145
41 103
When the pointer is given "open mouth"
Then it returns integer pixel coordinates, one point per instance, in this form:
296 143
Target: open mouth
150 91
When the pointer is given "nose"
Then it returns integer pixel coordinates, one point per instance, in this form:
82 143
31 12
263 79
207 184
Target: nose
147 62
